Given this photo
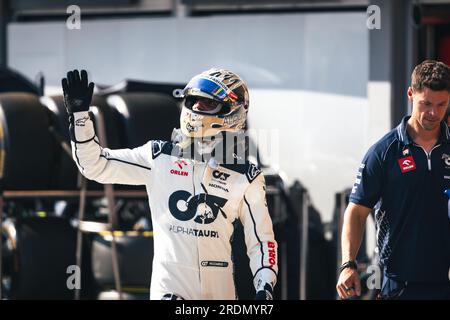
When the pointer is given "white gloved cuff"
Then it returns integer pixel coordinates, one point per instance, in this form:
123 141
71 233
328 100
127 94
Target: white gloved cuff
263 276
81 127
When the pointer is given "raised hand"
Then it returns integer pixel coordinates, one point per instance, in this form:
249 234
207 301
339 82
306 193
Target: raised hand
77 91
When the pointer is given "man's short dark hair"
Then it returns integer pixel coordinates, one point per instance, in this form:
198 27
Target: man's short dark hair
431 74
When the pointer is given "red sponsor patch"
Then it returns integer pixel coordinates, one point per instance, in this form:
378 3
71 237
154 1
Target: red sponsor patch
407 164
272 253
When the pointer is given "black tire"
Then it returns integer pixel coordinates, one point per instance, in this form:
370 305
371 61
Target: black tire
146 116
30 148
12 81
45 248
128 86
135 256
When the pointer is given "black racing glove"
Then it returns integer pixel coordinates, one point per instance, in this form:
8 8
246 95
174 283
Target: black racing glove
77 91
265 294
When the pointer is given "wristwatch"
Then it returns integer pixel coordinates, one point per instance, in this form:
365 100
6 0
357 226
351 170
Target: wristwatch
352 264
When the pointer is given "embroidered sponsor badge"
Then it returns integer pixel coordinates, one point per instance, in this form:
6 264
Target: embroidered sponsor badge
446 159
407 164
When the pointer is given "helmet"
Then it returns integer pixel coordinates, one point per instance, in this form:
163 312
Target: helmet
225 99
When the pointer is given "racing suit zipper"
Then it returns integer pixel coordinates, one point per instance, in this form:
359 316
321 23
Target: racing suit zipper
428 154
193 177
198 251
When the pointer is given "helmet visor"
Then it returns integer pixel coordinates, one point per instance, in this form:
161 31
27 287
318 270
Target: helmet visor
208 88
203 105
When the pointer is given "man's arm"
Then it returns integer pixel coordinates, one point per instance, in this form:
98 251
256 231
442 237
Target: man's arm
366 192
353 227
259 238
123 166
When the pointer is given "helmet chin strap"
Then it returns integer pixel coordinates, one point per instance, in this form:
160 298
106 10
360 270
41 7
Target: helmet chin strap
180 139
205 147
201 146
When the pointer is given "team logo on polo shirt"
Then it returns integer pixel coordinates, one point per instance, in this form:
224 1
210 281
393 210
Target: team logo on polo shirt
407 164
446 159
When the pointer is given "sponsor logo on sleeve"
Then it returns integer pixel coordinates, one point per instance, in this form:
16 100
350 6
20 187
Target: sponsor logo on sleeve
81 122
253 172
358 177
272 253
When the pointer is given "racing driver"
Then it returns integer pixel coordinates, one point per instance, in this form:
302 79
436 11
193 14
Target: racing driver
194 199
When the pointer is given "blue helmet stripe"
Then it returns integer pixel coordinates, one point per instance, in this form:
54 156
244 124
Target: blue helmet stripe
206 86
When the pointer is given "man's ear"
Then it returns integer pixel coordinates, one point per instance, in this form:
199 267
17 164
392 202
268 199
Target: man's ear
410 94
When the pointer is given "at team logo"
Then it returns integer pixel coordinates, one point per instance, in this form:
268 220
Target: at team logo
222 176
446 159
180 164
204 207
407 164
219 180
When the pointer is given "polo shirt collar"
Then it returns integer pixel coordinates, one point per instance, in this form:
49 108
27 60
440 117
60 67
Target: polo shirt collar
404 137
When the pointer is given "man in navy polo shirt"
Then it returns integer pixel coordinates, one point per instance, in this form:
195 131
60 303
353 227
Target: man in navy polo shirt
405 176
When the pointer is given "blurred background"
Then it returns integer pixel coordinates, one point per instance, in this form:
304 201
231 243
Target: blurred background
326 79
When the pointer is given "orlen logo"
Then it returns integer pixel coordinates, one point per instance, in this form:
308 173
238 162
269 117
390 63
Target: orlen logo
272 253
180 163
406 164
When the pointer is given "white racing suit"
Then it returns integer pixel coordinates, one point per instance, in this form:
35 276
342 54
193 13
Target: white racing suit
193 207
